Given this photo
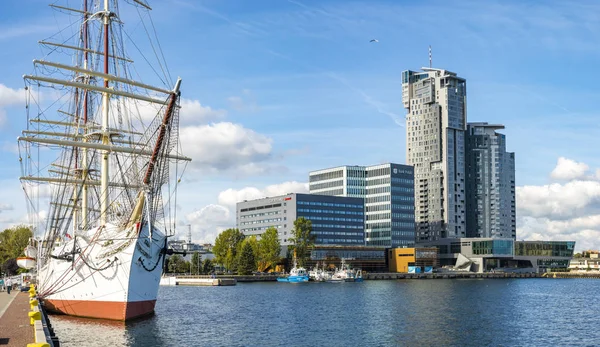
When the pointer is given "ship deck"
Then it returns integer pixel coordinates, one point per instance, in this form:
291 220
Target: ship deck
15 329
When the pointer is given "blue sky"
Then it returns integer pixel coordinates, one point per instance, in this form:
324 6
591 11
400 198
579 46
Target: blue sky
285 87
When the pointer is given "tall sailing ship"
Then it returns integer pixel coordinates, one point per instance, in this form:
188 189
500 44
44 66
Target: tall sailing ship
101 148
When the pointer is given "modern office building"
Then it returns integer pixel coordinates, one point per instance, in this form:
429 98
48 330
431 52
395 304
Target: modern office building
389 206
490 188
435 100
339 181
388 191
335 220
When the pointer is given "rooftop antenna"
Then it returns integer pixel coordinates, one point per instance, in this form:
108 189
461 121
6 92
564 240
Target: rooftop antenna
430 56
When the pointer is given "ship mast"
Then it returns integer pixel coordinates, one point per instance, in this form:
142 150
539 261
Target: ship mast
84 167
104 203
91 134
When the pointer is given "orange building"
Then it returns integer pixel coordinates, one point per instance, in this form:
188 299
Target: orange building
400 259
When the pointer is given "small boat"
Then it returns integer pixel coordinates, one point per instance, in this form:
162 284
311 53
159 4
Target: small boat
345 274
319 275
297 274
29 260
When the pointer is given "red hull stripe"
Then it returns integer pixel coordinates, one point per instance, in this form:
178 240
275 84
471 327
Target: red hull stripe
101 309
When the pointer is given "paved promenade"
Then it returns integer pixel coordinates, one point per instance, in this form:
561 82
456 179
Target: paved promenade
14 321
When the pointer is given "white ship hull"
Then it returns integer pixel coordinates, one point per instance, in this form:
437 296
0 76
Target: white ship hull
115 275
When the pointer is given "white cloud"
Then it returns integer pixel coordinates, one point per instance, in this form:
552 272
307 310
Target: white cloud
8 97
567 211
225 146
567 169
192 112
208 222
556 200
230 197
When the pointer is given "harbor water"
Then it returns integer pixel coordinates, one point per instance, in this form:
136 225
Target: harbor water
460 312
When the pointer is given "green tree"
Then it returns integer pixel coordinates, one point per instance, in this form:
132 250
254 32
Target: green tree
246 260
226 248
10 267
269 248
254 244
196 263
302 240
177 264
207 266
13 242
183 266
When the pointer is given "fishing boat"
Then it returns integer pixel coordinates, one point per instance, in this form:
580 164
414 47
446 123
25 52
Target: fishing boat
297 274
319 274
346 274
101 163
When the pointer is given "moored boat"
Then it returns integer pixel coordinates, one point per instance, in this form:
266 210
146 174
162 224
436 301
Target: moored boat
346 274
297 274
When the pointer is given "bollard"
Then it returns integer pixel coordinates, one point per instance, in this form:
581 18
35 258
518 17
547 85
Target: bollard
33 316
33 303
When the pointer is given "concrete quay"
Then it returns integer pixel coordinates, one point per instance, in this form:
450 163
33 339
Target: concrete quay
196 281
446 275
573 274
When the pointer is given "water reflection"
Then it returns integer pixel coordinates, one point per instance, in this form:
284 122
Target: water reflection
74 331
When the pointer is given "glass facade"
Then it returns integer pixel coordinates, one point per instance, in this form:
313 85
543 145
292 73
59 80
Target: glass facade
545 248
323 254
496 247
335 220
553 263
390 208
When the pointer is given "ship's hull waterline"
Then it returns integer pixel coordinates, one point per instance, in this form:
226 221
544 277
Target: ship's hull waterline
116 279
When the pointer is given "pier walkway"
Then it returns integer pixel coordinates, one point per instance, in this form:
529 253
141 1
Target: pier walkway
15 329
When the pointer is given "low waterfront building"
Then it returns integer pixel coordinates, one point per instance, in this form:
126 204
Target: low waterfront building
585 264
186 245
545 255
412 259
335 220
487 254
370 259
